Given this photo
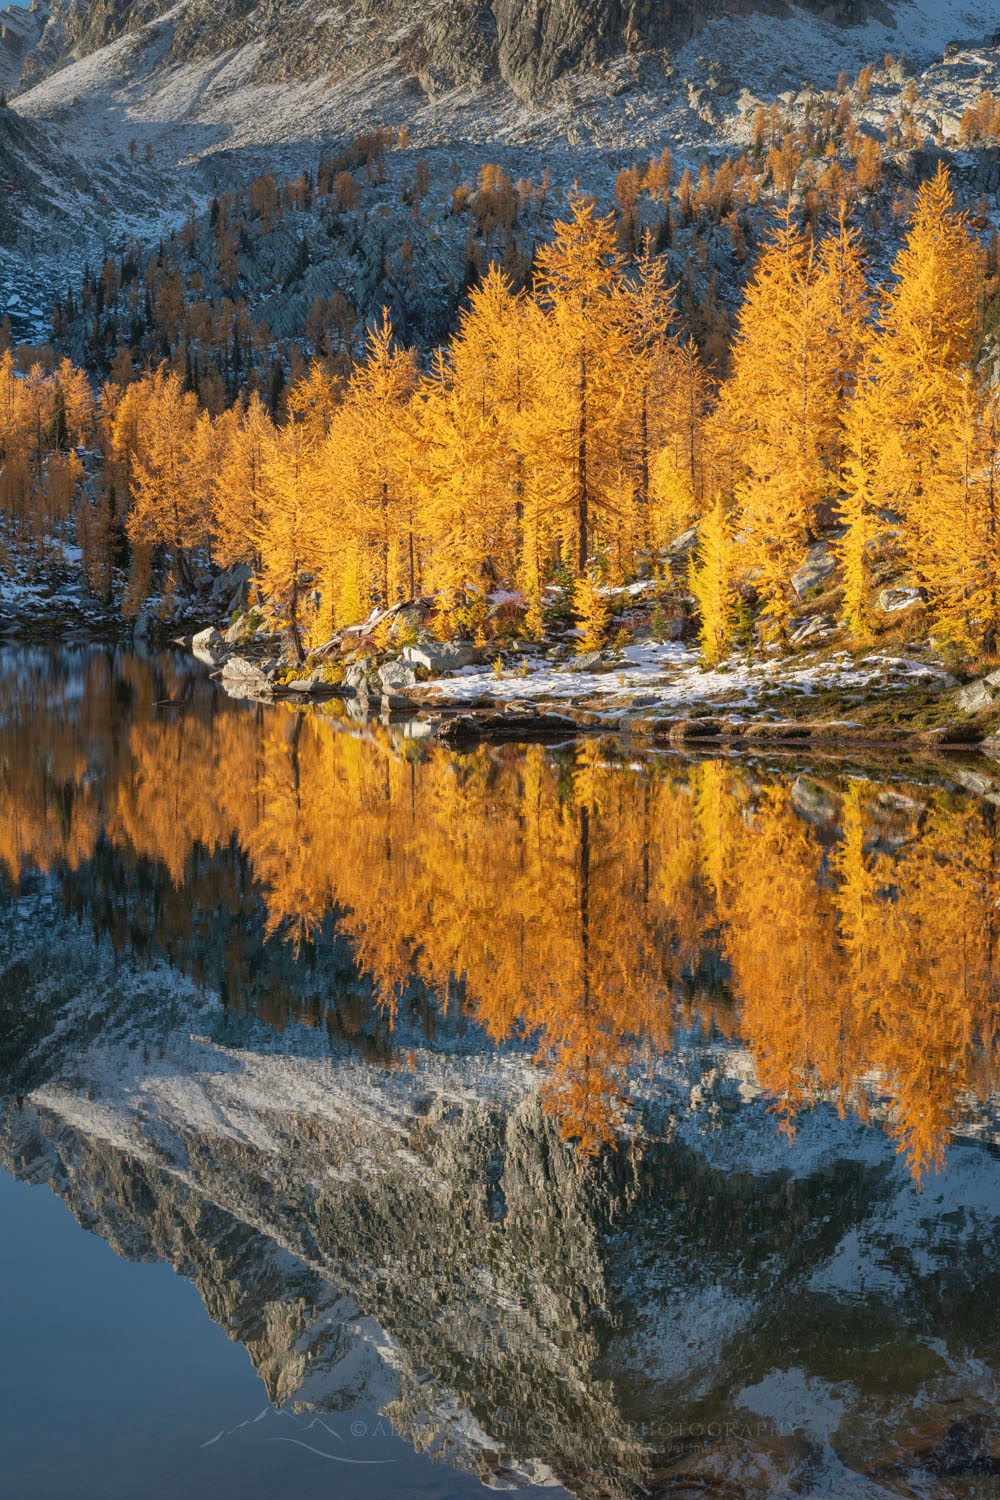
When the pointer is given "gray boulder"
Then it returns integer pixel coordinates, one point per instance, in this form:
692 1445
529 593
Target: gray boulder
817 565
441 656
816 625
975 696
396 675
243 678
243 669
207 640
684 543
209 646
409 618
591 661
357 675
235 578
236 631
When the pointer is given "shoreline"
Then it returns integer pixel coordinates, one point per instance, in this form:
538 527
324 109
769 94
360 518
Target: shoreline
470 708
444 709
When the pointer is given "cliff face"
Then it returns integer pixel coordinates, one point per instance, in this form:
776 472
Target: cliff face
530 44
20 30
538 40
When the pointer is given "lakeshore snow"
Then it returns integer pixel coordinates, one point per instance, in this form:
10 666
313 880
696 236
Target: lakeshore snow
672 677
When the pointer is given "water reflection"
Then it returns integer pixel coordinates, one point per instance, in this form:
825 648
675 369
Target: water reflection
843 930
630 1128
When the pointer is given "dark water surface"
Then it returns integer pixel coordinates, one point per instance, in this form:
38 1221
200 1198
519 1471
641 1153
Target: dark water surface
115 1384
379 1121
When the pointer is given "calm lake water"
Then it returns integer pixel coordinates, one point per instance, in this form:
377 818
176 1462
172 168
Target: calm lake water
376 1121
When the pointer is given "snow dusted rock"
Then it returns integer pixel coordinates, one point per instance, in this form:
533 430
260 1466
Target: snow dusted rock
892 599
817 565
976 696
591 661
396 675
441 656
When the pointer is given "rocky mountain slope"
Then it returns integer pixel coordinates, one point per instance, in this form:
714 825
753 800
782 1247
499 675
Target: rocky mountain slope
526 43
129 116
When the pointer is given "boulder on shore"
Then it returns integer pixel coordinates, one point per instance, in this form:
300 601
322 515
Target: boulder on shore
357 676
441 656
396 675
209 646
469 728
975 696
250 673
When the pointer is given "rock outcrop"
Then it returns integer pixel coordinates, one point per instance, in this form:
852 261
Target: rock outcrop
530 44
20 31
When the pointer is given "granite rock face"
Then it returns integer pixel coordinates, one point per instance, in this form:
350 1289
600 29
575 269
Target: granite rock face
529 43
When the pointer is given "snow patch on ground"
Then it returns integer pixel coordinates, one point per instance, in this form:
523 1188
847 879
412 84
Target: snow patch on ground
673 677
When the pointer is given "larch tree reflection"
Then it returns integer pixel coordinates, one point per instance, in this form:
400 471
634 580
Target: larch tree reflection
559 901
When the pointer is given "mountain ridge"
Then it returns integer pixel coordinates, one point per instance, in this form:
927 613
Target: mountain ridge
114 141
528 44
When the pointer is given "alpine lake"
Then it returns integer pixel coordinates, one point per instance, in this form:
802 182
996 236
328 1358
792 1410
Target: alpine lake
382 1121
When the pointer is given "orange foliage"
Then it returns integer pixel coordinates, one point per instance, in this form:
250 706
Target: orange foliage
603 909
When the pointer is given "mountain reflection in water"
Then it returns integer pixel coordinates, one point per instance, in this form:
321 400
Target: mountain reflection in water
637 1115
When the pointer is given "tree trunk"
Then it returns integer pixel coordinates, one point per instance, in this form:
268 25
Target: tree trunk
582 516
294 632
184 569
